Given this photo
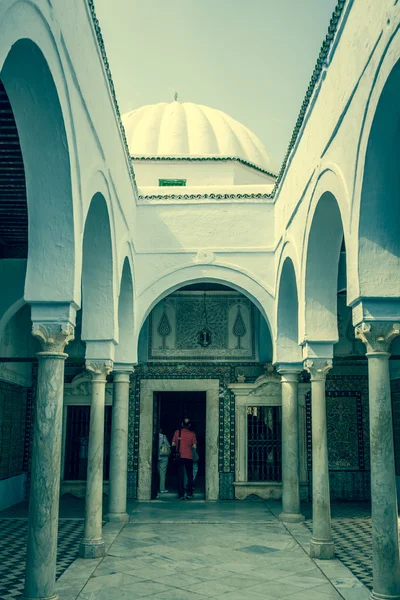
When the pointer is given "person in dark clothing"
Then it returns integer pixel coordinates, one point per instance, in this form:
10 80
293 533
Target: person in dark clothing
184 441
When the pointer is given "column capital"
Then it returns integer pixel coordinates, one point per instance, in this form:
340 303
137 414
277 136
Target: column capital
99 369
377 335
289 371
122 373
123 368
53 337
318 368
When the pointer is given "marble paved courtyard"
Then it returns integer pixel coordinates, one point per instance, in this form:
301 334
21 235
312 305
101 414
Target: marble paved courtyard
188 551
198 550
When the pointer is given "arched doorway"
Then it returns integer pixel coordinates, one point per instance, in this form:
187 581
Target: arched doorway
195 342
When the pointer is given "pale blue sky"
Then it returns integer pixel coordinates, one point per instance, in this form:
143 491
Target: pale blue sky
252 59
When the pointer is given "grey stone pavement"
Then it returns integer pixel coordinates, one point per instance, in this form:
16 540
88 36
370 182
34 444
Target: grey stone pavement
183 550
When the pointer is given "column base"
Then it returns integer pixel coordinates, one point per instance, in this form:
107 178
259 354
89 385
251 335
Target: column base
117 517
322 549
291 517
377 596
92 549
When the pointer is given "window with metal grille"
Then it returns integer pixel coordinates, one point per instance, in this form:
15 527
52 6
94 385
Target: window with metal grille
77 440
264 453
170 182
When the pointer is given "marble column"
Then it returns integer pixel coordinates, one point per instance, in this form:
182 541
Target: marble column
290 444
322 545
377 337
40 576
119 445
92 544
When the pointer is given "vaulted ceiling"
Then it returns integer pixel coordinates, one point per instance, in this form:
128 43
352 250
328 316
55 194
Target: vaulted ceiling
13 206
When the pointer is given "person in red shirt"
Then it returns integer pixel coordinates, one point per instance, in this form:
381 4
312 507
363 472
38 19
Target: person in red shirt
184 441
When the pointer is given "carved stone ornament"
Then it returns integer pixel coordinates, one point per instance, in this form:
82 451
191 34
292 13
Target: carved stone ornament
269 373
318 368
53 337
99 369
377 335
79 386
266 388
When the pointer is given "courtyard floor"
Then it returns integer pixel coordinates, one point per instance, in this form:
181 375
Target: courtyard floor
182 550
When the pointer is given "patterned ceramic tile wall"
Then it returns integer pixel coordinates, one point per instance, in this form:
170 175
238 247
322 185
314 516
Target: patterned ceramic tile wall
348 436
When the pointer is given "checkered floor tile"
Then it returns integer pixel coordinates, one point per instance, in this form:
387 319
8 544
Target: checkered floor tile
352 535
13 533
353 542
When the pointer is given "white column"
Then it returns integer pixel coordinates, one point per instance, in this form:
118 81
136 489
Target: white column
322 545
377 337
92 544
119 445
290 444
241 442
40 576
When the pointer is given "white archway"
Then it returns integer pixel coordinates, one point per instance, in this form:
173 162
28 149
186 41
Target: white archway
377 222
320 268
98 293
286 347
125 350
36 106
197 273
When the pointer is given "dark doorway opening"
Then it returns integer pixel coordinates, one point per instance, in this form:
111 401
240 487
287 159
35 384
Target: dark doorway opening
170 408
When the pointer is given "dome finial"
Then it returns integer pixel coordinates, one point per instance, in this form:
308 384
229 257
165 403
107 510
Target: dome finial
176 96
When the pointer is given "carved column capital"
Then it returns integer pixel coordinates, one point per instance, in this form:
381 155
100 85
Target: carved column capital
53 337
318 367
377 335
99 369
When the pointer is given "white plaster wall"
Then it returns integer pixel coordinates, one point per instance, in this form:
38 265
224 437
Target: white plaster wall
333 126
199 173
97 158
237 239
195 172
194 226
244 175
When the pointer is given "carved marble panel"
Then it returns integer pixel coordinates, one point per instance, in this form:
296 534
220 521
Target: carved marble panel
175 322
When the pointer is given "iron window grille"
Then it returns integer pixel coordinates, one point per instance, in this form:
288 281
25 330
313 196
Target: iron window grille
77 443
264 440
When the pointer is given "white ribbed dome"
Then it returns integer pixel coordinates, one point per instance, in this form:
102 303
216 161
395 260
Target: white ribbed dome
191 130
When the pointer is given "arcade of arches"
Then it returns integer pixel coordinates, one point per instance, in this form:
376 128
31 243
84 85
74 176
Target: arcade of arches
265 307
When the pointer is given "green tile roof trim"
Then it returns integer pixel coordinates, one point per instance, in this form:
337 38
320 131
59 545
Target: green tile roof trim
103 53
205 158
321 61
